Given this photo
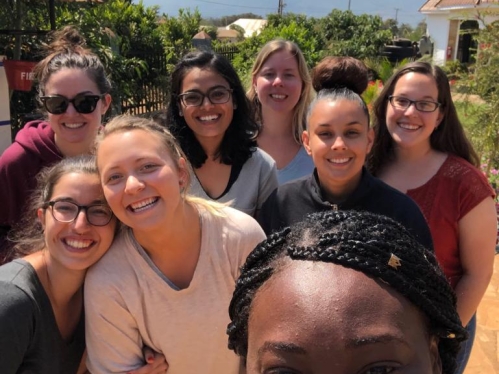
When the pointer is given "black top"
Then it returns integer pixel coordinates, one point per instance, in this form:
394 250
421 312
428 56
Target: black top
291 202
30 341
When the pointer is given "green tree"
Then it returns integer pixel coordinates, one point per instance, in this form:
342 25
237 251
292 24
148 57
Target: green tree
392 25
482 80
346 34
177 32
297 28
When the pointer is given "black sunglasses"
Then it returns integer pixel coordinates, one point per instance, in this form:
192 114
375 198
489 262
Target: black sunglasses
58 104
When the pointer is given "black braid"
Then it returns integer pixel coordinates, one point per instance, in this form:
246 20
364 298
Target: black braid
364 242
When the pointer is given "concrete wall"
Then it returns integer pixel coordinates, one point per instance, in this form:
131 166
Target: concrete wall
5 130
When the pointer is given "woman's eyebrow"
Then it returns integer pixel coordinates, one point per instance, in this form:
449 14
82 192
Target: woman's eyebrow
375 339
281 347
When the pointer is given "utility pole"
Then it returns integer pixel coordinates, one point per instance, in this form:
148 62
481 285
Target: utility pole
396 14
349 1
280 7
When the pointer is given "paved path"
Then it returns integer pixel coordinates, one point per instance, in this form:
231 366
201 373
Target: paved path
485 354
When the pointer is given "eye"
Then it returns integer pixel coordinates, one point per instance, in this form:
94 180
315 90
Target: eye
281 371
401 101
352 133
149 167
191 98
426 105
382 369
99 210
113 179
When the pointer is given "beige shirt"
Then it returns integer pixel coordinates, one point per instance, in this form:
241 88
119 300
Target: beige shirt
129 303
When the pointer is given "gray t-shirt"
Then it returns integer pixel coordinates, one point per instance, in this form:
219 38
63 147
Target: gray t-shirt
30 341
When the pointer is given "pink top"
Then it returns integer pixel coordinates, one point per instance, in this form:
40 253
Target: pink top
448 196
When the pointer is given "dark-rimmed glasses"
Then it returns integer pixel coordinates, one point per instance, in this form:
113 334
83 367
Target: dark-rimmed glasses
216 95
58 104
66 211
403 103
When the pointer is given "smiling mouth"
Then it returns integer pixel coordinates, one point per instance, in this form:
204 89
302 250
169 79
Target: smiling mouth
278 97
407 126
209 118
73 126
143 205
78 244
338 161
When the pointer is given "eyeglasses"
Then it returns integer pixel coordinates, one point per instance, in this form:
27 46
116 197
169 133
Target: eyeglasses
65 211
403 103
83 103
216 95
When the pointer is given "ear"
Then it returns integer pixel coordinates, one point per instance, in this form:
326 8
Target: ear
370 139
436 361
106 100
183 173
305 138
439 118
40 213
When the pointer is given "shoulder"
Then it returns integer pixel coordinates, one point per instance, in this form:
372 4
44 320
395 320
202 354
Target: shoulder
260 157
17 302
233 221
115 263
391 196
459 175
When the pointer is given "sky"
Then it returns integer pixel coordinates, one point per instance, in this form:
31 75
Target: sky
406 11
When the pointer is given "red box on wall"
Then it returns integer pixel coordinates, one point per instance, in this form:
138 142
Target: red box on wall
19 74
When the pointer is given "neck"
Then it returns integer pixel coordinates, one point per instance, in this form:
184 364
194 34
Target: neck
70 150
277 124
337 192
61 284
175 235
211 146
413 154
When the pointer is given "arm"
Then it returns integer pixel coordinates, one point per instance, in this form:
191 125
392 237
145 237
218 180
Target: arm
114 344
477 239
16 327
155 363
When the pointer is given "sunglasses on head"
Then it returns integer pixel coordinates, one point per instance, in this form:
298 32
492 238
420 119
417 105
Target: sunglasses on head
58 104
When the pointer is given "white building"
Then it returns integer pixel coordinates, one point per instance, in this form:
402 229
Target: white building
250 26
447 22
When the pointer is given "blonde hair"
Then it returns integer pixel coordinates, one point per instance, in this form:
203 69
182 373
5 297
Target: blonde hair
124 123
300 109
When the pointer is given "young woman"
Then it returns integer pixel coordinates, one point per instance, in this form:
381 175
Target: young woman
167 280
210 116
344 292
421 150
73 90
338 139
280 94
41 308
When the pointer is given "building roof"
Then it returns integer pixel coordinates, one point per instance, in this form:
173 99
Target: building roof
222 32
446 4
250 25
201 35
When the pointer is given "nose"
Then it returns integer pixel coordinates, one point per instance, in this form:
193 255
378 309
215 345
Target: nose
277 81
206 102
133 185
338 144
71 109
81 223
411 109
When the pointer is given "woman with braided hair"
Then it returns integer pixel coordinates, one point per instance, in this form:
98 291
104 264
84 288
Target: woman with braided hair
338 139
344 292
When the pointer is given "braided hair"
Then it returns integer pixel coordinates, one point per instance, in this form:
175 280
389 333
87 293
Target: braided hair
364 242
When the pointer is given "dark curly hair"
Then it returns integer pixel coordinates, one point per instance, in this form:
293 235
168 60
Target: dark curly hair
363 242
239 141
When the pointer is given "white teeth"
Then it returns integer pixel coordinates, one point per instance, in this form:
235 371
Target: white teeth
208 118
78 243
73 125
338 160
143 204
408 126
280 97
